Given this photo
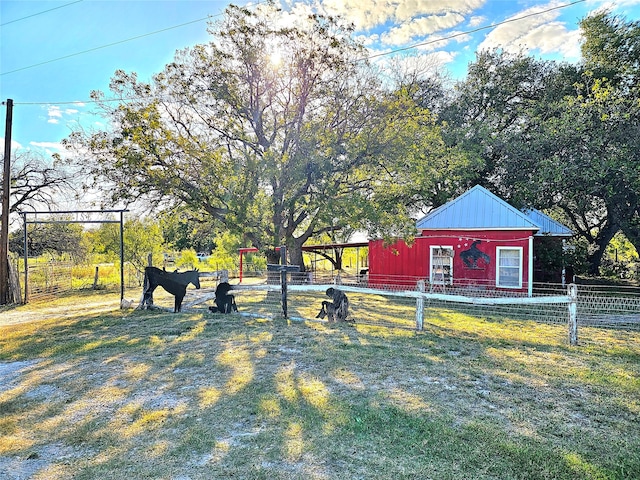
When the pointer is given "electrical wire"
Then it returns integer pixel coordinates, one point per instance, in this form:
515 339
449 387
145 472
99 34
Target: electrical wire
105 46
208 17
39 13
390 52
475 30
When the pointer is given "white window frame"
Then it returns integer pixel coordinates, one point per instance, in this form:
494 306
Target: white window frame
432 277
499 251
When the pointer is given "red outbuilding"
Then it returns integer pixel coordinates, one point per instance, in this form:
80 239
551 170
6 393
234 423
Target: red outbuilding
476 240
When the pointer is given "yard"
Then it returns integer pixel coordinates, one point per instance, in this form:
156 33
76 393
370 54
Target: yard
89 391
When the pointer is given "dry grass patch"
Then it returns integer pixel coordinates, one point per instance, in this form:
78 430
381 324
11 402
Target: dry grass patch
200 396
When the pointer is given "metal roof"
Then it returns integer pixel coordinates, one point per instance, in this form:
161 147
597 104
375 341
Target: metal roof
548 226
477 209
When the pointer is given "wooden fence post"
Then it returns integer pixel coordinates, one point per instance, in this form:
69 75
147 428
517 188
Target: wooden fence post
15 294
96 277
573 314
420 306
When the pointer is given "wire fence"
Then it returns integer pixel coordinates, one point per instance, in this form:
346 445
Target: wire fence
383 300
609 306
49 279
52 278
595 307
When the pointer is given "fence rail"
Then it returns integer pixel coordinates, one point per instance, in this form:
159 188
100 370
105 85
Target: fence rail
270 302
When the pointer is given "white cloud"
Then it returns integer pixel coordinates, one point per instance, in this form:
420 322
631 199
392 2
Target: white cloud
54 111
47 145
442 58
612 5
368 14
477 20
55 114
14 145
48 148
410 9
539 32
554 38
421 27
439 41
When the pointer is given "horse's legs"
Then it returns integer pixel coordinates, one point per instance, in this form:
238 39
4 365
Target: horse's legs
234 307
179 297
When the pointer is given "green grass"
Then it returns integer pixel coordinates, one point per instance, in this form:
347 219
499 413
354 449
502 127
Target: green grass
143 394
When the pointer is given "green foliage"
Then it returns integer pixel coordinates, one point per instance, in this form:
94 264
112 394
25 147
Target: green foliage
183 229
187 259
54 239
141 238
275 154
562 136
225 255
621 258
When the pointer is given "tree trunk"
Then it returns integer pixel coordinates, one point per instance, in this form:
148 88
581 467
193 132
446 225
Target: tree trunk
273 258
338 258
15 294
602 240
295 256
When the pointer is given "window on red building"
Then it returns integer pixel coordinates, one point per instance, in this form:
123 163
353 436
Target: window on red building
509 267
441 265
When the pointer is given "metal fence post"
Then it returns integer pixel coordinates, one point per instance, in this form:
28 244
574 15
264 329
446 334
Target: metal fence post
26 259
573 314
420 306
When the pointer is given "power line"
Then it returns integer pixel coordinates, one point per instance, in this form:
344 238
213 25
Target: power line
105 46
39 13
116 43
468 32
449 37
82 102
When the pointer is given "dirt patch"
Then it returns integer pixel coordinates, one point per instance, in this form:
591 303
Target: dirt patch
12 371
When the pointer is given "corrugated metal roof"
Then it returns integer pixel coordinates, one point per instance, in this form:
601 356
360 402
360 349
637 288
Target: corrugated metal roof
476 209
548 226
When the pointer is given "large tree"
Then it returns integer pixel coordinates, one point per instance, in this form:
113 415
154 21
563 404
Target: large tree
37 182
560 136
278 129
611 97
583 147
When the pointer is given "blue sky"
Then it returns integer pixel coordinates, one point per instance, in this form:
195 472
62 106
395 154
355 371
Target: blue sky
44 70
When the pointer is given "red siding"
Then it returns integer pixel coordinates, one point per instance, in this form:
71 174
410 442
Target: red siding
400 264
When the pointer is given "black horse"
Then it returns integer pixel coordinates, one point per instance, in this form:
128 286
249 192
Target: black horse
470 257
173 282
225 303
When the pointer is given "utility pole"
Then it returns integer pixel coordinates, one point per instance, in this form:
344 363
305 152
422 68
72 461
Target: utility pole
4 230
